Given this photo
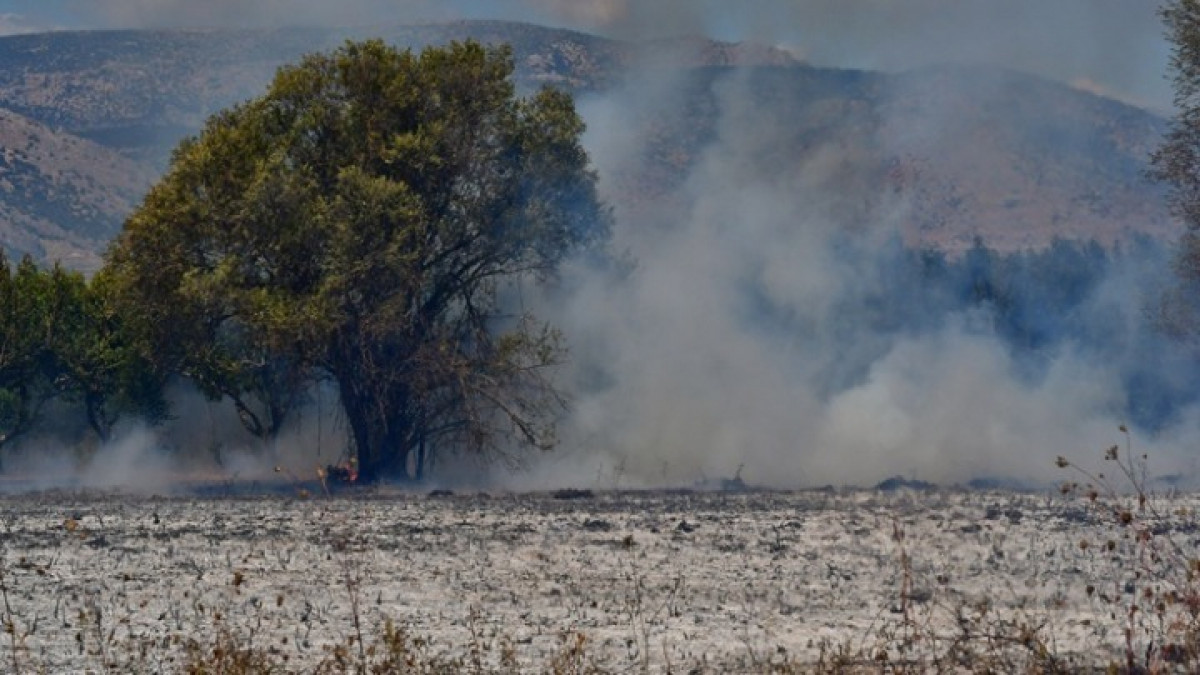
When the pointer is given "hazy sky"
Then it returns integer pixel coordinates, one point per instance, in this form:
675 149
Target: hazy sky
1110 45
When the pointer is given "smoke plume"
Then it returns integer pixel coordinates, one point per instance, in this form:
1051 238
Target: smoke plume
749 340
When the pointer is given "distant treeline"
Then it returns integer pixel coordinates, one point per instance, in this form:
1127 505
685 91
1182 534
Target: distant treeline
1103 304
1097 303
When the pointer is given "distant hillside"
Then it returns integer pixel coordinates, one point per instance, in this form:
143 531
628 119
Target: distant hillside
88 119
956 152
142 89
1019 160
137 93
62 196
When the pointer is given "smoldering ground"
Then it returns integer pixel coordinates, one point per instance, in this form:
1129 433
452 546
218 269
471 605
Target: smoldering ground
201 447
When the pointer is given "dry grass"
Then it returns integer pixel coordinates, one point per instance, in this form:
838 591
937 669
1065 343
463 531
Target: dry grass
1151 563
1145 577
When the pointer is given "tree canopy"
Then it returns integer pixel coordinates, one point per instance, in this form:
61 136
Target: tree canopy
369 221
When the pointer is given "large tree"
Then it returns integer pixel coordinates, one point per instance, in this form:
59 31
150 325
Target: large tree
371 220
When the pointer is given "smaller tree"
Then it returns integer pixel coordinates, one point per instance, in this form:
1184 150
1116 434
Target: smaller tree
202 339
26 373
60 341
93 359
1177 162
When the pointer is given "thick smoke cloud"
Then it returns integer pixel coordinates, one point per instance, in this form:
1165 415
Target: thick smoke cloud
747 337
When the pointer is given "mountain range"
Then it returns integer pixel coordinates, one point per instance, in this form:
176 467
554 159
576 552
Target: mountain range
88 121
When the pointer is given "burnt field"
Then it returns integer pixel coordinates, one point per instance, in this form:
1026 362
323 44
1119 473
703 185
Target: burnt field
619 581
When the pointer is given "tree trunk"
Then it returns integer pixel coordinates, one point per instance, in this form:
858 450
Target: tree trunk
379 430
421 461
97 420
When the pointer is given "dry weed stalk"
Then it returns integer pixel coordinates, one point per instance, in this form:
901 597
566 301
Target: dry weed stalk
928 626
933 629
1157 577
15 639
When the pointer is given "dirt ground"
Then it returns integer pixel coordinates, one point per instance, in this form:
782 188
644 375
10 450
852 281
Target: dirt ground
651 580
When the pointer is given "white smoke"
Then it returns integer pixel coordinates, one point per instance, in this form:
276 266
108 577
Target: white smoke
680 379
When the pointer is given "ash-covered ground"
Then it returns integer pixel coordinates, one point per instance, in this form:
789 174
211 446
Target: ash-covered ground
650 579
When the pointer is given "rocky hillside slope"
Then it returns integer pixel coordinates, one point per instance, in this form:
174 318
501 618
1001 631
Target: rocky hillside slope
88 119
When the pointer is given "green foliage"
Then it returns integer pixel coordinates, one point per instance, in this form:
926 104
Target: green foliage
24 385
59 340
95 362
360 222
